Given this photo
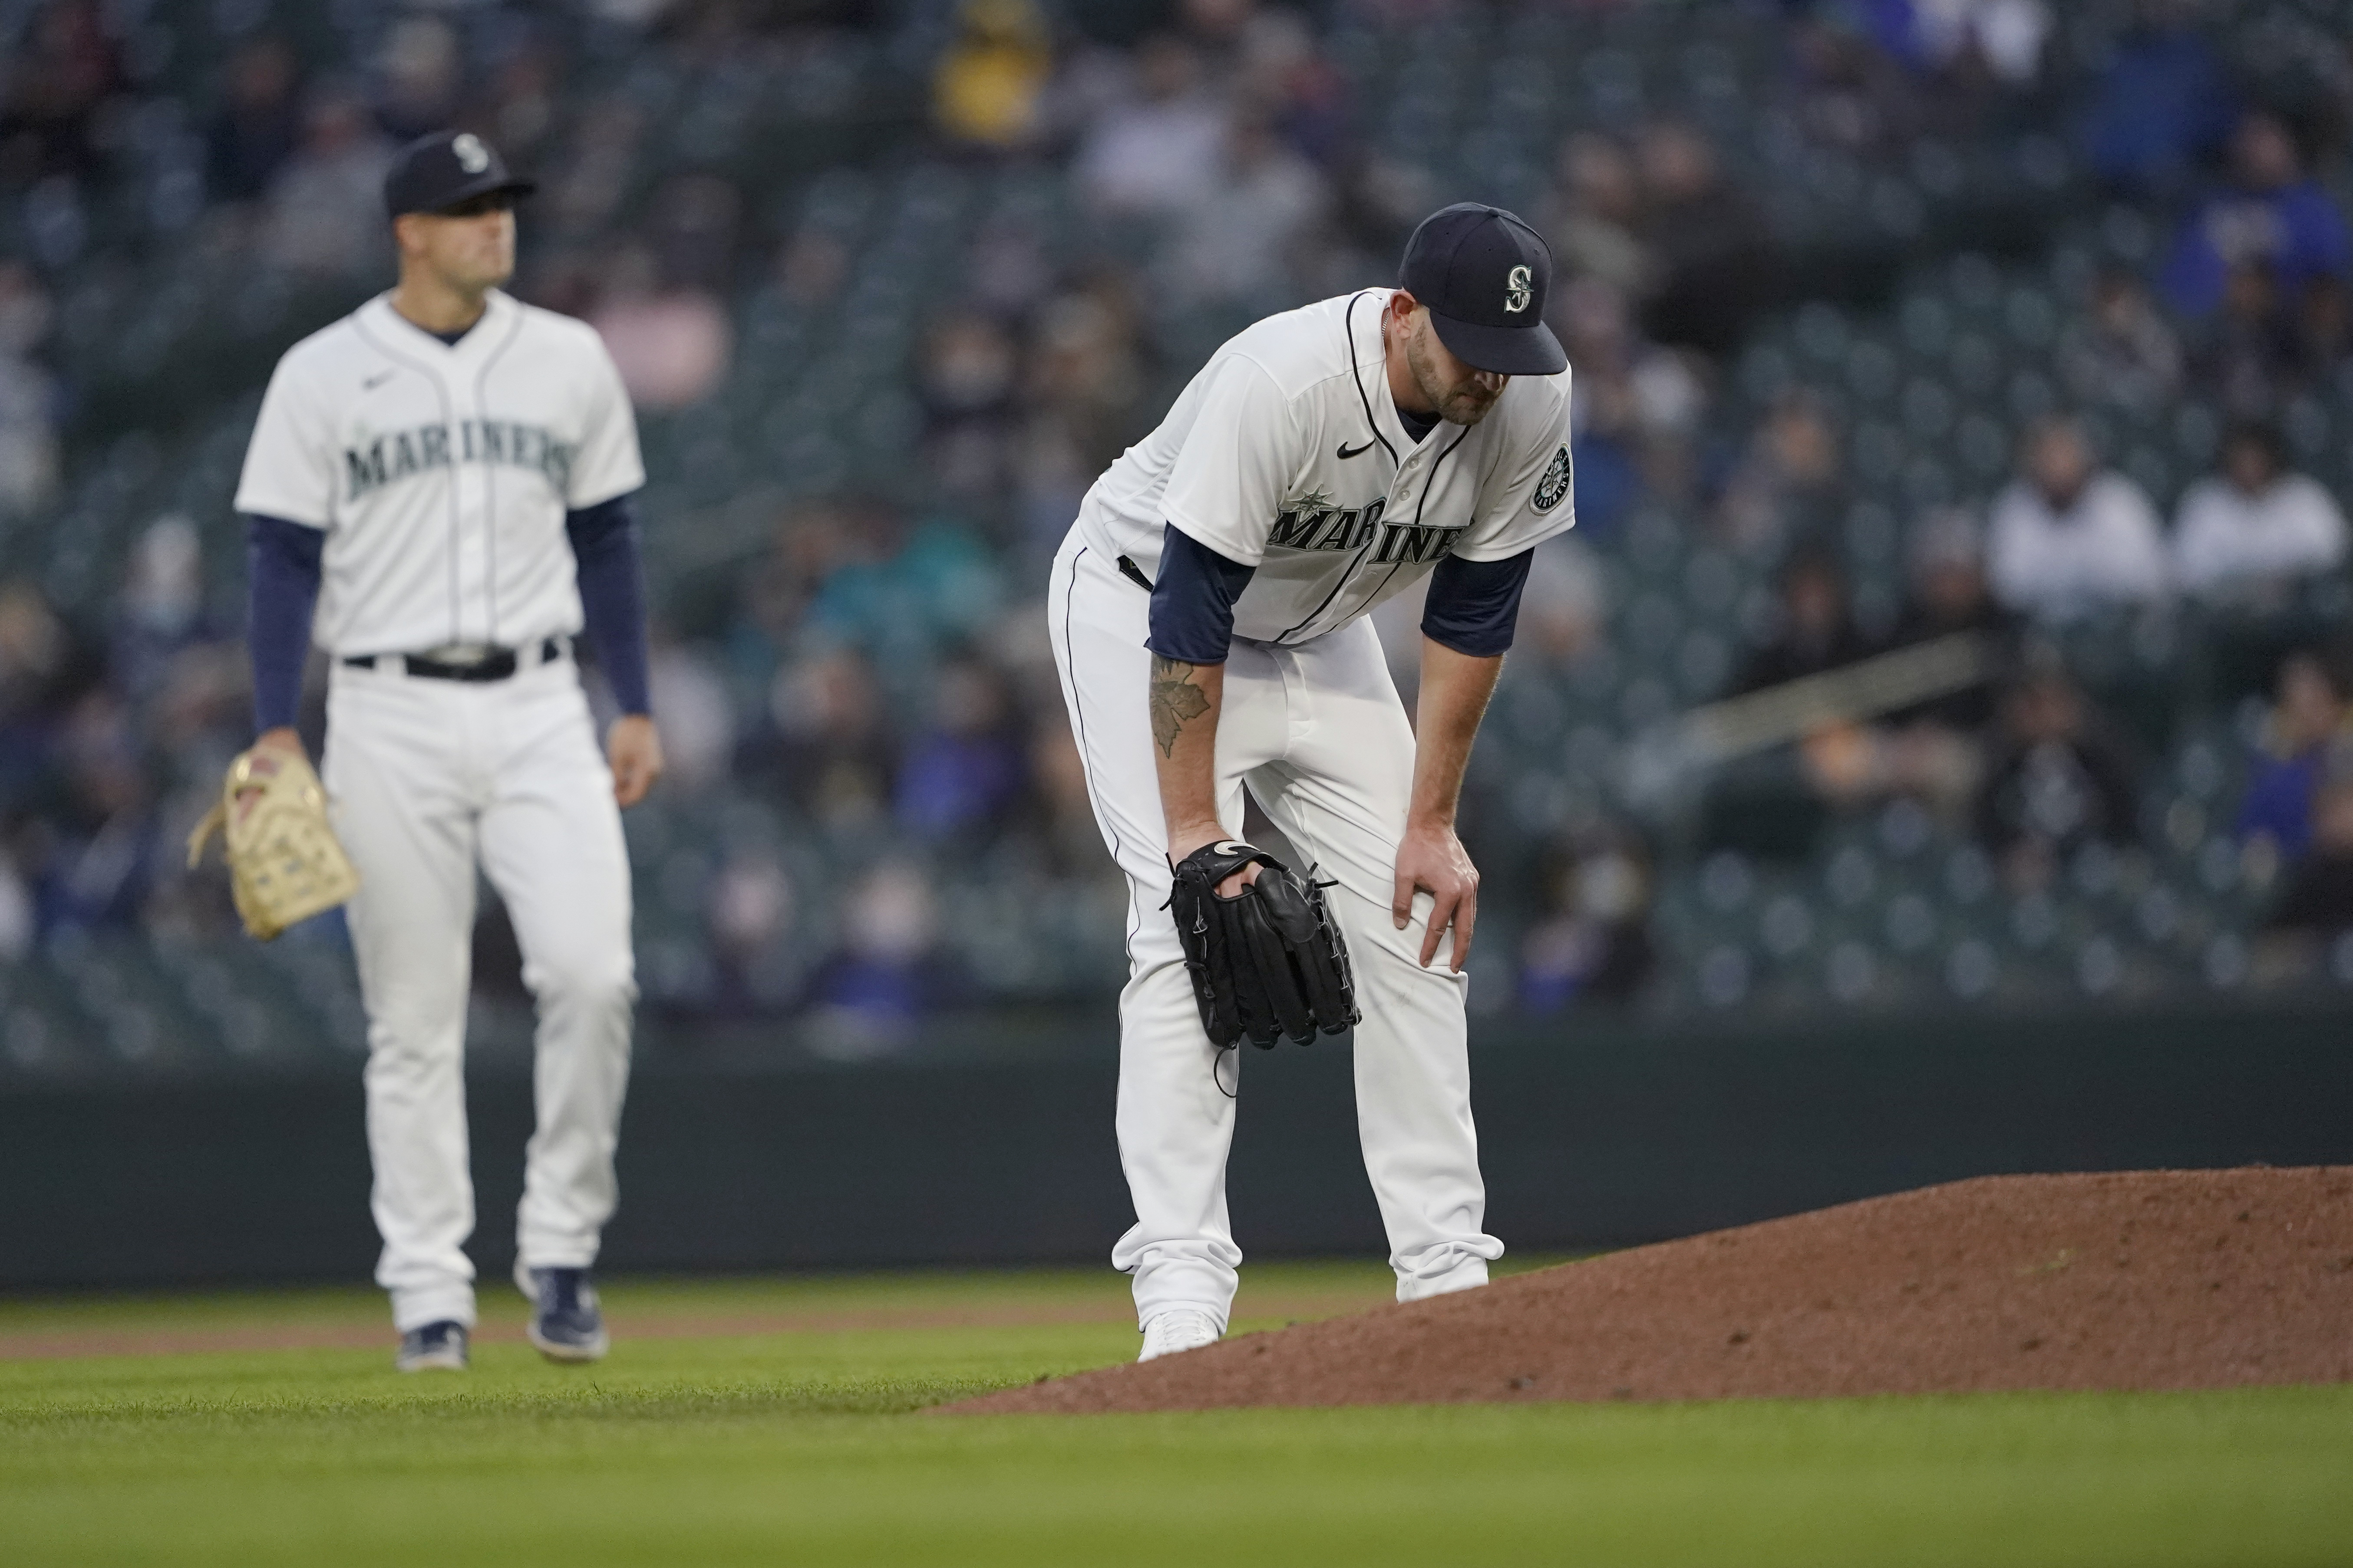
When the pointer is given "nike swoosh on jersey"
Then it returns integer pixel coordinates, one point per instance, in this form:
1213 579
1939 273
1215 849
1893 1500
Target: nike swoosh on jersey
1346 452
378 379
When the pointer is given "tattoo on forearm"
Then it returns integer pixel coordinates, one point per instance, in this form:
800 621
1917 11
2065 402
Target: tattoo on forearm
1176 701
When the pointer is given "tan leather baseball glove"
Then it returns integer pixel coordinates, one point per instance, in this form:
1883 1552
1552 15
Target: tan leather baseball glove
284 862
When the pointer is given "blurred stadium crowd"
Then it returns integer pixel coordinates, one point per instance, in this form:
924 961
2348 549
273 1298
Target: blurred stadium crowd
1889 320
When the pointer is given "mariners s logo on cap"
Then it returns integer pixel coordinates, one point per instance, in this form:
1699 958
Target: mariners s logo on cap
444 168
1484 276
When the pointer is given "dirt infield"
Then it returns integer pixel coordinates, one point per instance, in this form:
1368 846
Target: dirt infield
2138 1280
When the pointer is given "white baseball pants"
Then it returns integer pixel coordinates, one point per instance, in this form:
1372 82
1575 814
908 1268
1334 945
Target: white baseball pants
1316 734
427 778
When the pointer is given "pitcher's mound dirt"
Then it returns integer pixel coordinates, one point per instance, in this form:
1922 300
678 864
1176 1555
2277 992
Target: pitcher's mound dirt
2141 1279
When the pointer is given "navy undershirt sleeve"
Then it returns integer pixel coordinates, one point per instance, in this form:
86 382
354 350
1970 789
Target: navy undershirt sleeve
282 563
613 596
1193 600
1474 604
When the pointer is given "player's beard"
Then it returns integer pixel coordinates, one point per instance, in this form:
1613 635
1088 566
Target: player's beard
1464 405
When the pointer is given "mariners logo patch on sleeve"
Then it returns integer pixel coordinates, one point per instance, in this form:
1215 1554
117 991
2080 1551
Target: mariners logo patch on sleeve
1554 483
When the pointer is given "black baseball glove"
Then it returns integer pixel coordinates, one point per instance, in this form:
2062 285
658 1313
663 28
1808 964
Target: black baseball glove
1267 962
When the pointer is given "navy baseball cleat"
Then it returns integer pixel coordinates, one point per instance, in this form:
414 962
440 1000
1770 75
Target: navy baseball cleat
435 1347
566 1322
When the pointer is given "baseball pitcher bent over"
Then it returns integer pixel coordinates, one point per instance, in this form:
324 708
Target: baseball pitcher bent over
443 477
1207 615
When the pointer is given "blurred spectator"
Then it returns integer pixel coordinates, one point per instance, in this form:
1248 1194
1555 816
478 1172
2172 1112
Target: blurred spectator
2122 351
1282 76
2058 781
1934 752
692 233
1637 408
1594 213
831 750
698 722
1788 484
1606 453
749 915
961 774
2068 538
1843 761
17 925
422 71
1007 270
987 87
2307 721
966 380
518 109
1220 30
1715 263
2250 358
811 269
200 717
1068 835
1085 393
36 655
1814 629
2270 212
1563 608
51 86
2325 329
259 119
2162 103
1594 941
672 344
33 649
2256 526
28 396
2319 899
906 604
765 623
1239 242
868 995
105 846
1949 594
160 610
585 188
1851 94
967 369
2003 40
326 212
1155 151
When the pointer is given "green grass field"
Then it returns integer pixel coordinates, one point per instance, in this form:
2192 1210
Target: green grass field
777 1422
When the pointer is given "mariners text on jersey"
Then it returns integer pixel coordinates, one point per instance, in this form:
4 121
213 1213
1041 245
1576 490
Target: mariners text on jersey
391 458
1286 454
1314 526
441 473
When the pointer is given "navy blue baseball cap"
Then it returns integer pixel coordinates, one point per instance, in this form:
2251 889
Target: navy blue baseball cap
1485 276
444 169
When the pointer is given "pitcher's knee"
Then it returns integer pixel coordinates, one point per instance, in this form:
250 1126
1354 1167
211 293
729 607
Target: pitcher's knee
590 982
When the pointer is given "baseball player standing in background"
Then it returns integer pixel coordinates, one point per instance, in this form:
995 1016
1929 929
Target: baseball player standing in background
1207 615
443 477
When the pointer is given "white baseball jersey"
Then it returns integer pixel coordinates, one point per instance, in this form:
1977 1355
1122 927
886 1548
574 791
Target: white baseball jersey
1286 454
441 474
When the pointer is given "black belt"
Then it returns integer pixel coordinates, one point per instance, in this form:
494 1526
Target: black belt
498 665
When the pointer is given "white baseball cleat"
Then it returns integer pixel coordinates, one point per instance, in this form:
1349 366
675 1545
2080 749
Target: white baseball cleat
1178 1329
